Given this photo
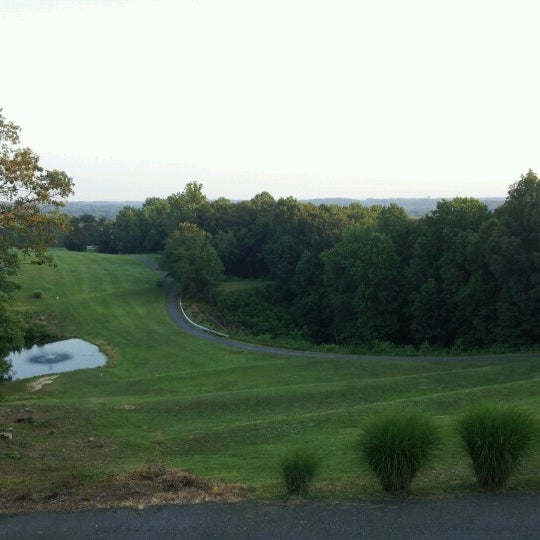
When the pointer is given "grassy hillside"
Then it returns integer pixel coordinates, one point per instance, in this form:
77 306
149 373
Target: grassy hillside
169 398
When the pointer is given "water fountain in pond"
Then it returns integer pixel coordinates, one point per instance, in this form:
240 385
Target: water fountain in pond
57 357
49 358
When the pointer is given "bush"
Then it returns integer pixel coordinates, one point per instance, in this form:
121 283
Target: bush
258 311
396 446
38 294
298 468
496 437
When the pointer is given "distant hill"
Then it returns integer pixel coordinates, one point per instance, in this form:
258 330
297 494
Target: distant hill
413 207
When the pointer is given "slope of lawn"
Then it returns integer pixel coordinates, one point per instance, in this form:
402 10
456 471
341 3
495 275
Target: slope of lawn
170 398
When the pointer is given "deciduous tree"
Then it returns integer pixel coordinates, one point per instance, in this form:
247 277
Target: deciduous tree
191 261
30 197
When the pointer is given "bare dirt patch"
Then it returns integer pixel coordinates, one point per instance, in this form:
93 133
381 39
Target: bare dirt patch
38 384
138 490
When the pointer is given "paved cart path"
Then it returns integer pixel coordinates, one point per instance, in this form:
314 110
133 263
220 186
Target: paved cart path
181 322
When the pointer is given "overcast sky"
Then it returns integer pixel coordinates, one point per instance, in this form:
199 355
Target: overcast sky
381 98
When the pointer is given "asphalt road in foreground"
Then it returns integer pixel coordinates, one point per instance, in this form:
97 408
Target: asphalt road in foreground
471 516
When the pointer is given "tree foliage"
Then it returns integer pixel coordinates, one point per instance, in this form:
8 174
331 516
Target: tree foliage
462 276
30 197
191 261
85 230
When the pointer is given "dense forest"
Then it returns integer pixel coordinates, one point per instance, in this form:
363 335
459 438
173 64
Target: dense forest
463 276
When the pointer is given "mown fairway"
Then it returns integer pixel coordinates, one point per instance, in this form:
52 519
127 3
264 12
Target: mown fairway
223 413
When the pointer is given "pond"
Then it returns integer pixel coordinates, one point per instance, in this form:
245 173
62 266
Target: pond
57 357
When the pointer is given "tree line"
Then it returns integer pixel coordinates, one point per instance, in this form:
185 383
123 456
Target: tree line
461 276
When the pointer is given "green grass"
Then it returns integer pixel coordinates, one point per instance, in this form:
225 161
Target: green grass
224 413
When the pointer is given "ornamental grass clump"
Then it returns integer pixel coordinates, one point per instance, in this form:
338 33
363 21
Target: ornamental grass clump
496 438
396 446
298 469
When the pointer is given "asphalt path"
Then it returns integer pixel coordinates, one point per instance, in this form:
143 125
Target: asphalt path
174 313
472 516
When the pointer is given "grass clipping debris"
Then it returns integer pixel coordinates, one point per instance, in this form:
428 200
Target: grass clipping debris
142 488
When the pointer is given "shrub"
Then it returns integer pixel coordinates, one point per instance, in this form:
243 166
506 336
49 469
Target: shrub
37 331
38 294
495 437
257 310
396 446
298 468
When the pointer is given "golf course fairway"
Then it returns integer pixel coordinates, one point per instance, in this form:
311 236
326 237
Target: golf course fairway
169 399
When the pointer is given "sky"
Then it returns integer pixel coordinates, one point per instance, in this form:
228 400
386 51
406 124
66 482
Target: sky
302 98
